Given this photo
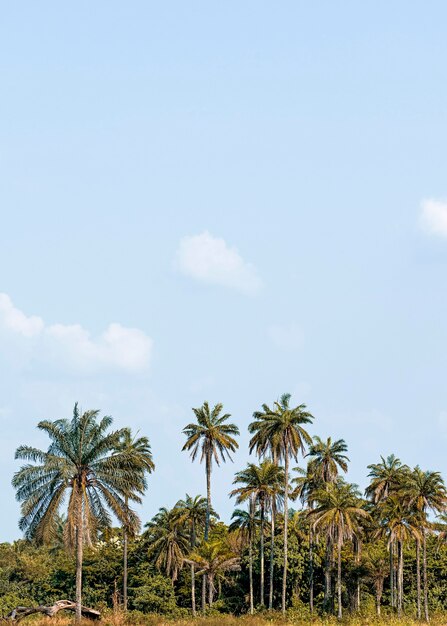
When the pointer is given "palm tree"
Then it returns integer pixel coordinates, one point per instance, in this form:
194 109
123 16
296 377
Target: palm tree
260 483
279 430
386 479
140 450
246 522
398 524
326 458
168 542
214 439
213 558
191 512
441 526
82 462
339 513
377 568
307 484
424 491
276 502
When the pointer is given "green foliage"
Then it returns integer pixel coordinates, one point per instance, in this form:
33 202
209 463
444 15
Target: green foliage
156 596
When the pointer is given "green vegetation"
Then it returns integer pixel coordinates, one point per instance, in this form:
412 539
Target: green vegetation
332 555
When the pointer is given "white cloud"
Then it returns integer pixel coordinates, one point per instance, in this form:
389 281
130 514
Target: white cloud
433 218
14 320
286 336
210 260
117 347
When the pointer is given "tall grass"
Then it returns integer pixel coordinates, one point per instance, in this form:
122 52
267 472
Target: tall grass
120 619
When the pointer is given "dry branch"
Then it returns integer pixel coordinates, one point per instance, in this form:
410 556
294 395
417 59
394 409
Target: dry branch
20 612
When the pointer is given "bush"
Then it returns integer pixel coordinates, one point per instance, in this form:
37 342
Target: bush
10 601
157 596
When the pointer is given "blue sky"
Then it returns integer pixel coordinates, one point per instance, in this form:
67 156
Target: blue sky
224 201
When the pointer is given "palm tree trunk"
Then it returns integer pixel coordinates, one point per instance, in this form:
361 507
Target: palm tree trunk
400 576
207 523
358 553
286 520
193 570
272 553
333 581
262 554
379 591
250 571
418 576
79 559
125 570
204 594
340 608
125 540
210 592
311 570
193 590
327 601
392 590
395 573
208 495
424 574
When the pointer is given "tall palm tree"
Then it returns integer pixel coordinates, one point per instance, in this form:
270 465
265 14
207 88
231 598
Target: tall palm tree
211 559
307 484
377 569
387 478
82 462
276 502
246 522
326 459
398 524
260 483
339 514
168 542
191 512
140 450
215 439
280 431
424 491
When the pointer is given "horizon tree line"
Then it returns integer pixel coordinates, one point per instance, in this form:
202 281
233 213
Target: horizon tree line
101 473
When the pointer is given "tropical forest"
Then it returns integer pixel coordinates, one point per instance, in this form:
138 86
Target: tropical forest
303 545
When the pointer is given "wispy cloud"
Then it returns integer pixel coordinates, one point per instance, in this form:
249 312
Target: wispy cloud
433 217
73 346
211 260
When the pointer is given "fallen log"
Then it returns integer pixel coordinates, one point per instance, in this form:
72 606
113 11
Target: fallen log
20 612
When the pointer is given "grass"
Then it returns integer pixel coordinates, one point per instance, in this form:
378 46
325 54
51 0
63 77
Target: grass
227 620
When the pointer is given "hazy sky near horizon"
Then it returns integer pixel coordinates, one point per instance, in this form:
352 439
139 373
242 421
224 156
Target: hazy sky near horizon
224 201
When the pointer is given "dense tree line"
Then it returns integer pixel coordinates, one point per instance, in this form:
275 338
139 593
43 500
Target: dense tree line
300 537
